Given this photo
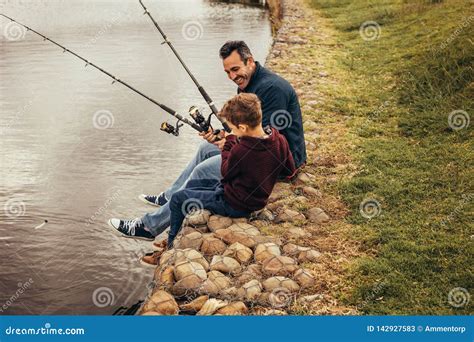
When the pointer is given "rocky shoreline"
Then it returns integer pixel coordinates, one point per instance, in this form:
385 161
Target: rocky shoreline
277 262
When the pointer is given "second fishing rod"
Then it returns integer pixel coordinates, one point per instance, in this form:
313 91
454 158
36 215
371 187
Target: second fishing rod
193 110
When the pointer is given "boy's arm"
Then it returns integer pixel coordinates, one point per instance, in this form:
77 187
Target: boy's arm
230 157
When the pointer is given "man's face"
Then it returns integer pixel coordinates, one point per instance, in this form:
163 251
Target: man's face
237 71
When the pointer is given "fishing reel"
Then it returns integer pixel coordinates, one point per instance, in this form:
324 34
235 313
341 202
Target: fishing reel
170 129
200 119
201 123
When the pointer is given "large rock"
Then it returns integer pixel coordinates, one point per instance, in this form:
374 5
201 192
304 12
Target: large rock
276 282
298 233
192 240
317 215
291 249
167 258
215 283
245 228
310 191
265 250
195 305
289 215
260 239
279 266
304 178
276 207
213 246
309 256
164 277
235 308
189 268
217 222
280 190
264 215
191 255
231 236
225 264
162 303
250 290
239 252
198 218
304 278
280 282
187 286
211 306
253 271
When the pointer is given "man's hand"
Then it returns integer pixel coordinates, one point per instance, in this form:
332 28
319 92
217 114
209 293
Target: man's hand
209 136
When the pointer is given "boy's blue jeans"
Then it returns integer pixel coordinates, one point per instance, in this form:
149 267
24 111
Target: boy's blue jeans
206 164
202 193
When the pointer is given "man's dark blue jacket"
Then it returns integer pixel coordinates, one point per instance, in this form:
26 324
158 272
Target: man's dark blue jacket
280 108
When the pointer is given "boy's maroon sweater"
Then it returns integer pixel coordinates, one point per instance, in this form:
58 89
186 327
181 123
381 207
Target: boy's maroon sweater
250 168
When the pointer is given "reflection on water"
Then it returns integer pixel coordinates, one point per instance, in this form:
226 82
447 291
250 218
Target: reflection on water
76 150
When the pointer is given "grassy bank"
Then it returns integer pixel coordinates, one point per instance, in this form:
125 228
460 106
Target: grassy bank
398 82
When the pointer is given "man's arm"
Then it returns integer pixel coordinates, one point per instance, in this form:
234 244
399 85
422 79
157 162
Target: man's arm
275 101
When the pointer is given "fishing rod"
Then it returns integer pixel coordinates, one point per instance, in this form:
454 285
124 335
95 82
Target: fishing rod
197 116
166 127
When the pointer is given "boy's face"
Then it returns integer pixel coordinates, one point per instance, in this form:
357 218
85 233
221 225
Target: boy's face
239 130
237 70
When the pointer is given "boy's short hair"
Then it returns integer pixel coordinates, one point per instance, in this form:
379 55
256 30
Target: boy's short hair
243 109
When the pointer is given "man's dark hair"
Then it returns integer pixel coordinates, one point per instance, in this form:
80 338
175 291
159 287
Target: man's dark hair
233 45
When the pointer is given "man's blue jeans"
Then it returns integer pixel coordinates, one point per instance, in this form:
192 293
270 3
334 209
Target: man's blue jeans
206 164
199 193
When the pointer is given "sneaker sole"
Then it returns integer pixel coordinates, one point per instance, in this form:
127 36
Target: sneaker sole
148 202
128 236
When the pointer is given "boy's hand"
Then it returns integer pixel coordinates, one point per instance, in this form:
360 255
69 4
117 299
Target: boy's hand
209 137
220 144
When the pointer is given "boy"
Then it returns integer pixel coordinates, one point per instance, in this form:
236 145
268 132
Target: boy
252 160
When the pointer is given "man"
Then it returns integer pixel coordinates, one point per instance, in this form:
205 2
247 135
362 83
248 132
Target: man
280 108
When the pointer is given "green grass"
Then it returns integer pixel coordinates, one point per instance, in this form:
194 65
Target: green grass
398 91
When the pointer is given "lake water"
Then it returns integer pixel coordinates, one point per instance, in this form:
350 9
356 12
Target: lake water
77 150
